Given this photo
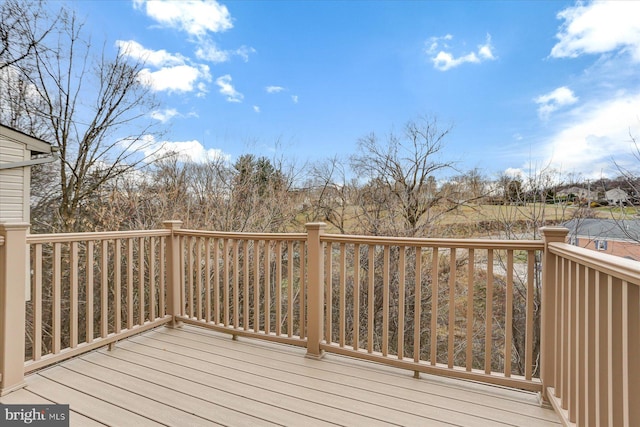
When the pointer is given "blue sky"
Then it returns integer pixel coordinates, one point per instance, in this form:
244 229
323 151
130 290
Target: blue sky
540 83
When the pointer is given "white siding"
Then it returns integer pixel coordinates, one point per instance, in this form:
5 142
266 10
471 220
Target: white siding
14 183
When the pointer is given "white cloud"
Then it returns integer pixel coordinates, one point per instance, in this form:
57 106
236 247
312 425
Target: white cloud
598 133
157 58
196 18
227 89
173 73
444 60
294 98
256 108
209 51
435 43
274 89
202 89
599 27
181 78
192 151
485 50
164 115
243 52
553 100
169 113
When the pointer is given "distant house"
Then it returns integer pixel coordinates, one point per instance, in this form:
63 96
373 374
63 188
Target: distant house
615 237
578 192
617 196
18 152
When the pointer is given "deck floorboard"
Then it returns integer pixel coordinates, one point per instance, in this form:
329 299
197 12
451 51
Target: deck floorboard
193 376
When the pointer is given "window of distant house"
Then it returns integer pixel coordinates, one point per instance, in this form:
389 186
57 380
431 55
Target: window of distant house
574 241
601 245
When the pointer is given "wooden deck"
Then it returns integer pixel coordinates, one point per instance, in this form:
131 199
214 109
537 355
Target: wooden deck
192 376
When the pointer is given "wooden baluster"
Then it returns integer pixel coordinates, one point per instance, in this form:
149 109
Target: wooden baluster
356 296
342 303
117 266
434 306
452 307
290 288
469 334
488 329
401 299
385 300
508 327
73 296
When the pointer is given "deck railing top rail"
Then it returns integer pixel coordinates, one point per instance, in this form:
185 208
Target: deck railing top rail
100 235
430 242
242 235
622 268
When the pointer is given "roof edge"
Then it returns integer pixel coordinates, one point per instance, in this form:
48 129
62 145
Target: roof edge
35 145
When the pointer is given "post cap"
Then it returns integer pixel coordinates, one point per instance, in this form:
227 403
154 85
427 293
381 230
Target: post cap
315 225
172 224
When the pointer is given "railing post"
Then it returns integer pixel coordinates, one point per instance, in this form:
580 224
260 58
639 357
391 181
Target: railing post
315 293
548 315
173 272
13 268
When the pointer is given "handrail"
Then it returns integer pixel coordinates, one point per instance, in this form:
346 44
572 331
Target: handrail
242 235
622 268
99 235
431 242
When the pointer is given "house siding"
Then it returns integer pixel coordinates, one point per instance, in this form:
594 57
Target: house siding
14 183
629 250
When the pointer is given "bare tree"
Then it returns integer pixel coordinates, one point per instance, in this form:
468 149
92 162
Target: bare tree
332 194
93 109
406 167
23 27
628 171
530 206
259 196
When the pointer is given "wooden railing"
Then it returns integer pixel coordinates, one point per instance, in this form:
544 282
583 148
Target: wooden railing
247 284
92 289
83 291
591 331
441 306
475 309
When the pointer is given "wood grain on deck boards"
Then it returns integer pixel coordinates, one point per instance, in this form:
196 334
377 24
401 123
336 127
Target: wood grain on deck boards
313 386
194 376
363 376
276 393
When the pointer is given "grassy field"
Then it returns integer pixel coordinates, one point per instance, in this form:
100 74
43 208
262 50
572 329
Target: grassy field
477 220
553 213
